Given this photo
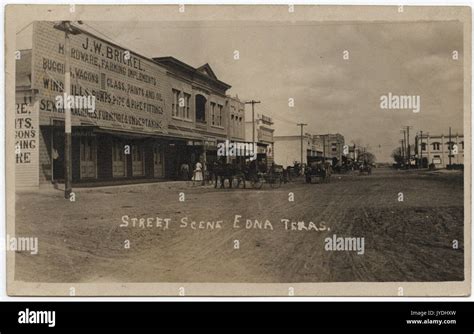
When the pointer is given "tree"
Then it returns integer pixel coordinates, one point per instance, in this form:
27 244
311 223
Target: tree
367 156
398 156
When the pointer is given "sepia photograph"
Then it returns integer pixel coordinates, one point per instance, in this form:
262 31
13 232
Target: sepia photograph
238 150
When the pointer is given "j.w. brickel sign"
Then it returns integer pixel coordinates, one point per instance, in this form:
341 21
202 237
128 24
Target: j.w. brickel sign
128 90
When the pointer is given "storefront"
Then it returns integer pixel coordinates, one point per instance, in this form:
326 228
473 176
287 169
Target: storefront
102 155
137 128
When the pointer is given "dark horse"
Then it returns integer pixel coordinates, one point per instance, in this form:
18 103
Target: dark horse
226 171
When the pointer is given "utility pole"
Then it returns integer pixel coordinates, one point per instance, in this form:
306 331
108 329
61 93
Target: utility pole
68 30
301 125
324 148
449 146
253 102
421 149
403 146
408 146
406 129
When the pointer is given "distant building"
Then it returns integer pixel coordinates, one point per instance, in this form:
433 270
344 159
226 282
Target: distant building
333 145
263 136
288 149
437 149
236 119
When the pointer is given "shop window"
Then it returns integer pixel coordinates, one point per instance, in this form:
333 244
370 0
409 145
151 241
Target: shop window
200 109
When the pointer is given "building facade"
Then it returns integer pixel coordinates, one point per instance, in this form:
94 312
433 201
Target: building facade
288 149
150 115
440 150
333 146
263 136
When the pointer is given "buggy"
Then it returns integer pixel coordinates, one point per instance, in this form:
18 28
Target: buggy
318 170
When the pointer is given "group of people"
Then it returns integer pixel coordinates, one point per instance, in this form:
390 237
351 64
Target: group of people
194 173
199 172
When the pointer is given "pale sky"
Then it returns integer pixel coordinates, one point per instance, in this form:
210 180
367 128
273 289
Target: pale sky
304 61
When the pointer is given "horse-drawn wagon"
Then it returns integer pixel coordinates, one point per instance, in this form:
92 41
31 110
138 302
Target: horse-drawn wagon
318 170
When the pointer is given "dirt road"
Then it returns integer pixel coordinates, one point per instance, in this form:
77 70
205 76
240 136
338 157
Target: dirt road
409 240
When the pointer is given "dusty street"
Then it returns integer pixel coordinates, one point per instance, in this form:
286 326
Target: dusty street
409 240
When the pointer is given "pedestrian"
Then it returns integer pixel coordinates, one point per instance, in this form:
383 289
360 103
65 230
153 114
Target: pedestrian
185 171
198 173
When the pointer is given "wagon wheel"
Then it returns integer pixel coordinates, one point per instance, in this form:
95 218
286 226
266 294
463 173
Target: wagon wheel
238 182
275 181
226 183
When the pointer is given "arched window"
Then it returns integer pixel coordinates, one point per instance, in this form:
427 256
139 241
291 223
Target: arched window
436 146
200 108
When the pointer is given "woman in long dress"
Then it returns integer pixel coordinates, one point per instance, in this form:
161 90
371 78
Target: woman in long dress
198 173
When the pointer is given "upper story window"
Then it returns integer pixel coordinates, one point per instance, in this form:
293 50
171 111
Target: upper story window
181 104
220 109
423 146
213 113
450 144
436 146
175 103
200 108
187 106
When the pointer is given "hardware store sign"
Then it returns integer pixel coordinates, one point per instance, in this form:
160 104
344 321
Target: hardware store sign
127 88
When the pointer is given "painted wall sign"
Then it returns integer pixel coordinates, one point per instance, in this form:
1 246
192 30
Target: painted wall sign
26 141
129 89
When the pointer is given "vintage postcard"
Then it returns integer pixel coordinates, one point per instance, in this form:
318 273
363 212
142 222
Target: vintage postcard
238 150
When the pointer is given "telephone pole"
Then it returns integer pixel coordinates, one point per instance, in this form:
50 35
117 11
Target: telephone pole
402 148
68 30
253 102
301 125
406 130
421 149
450 147
403 145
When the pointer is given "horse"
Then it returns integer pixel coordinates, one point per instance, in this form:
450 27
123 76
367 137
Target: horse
223 171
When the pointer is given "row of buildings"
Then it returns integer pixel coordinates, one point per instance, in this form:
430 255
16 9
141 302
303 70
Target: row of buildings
290 149
150 115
